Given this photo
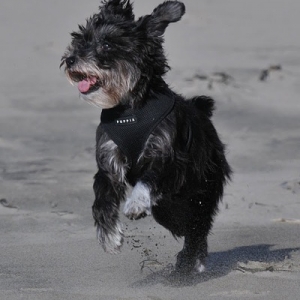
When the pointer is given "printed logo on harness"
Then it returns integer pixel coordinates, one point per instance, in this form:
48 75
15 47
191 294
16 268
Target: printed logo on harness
126 120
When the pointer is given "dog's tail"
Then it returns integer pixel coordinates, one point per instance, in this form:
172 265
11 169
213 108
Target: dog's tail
204 104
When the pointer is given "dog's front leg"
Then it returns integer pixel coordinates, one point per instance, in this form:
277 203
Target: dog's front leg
108 195
147 191
138 205
144 195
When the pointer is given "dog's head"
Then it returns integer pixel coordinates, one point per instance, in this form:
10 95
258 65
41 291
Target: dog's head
114 58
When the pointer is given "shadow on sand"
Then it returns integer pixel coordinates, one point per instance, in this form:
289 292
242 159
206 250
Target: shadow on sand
218 264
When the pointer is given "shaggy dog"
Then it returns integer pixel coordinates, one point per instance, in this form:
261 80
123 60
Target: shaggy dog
150 138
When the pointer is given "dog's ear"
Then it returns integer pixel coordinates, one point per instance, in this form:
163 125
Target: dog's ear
120 9
164 14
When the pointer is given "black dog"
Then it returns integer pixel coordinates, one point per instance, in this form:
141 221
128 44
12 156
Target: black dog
150 138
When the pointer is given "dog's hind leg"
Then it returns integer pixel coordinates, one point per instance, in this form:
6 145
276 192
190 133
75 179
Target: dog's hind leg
180 221
193 254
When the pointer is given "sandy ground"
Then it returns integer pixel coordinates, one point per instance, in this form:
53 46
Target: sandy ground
48 248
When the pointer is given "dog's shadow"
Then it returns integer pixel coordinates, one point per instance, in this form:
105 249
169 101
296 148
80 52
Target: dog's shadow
218 265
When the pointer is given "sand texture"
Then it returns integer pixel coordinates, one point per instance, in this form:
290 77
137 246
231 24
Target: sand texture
245 54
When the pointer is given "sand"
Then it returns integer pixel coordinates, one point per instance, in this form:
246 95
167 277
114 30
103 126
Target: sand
246 54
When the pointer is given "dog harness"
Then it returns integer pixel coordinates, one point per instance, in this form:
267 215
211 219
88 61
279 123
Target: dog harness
130 128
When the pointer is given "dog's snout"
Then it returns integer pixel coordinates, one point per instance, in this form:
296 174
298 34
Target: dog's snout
70 61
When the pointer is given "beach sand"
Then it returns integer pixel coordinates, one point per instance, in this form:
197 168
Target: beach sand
245 54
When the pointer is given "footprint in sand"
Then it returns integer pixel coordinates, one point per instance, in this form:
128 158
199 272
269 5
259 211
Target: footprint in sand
292 185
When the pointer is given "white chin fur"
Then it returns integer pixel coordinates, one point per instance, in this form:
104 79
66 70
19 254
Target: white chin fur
99 99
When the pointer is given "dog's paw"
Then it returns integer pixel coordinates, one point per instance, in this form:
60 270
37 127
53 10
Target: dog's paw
134 211
138 205
199 267
112 241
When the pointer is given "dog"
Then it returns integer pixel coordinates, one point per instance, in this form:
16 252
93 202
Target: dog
150 138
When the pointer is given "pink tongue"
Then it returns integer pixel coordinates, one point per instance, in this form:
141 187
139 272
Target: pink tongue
86 84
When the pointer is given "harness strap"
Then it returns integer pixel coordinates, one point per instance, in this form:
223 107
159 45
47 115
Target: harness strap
130 128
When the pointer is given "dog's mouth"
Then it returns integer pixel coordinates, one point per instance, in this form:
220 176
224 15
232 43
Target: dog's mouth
86 83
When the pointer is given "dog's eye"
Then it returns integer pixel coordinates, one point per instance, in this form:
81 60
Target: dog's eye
105 47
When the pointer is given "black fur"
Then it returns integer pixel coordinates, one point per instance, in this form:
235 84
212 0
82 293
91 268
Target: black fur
120 62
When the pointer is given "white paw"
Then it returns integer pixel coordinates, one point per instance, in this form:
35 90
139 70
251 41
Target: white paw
138 205
199 267
112 241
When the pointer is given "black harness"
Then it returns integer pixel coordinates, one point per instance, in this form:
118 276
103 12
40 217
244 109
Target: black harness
130 128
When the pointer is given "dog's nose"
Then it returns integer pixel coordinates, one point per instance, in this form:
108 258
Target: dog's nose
70 61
